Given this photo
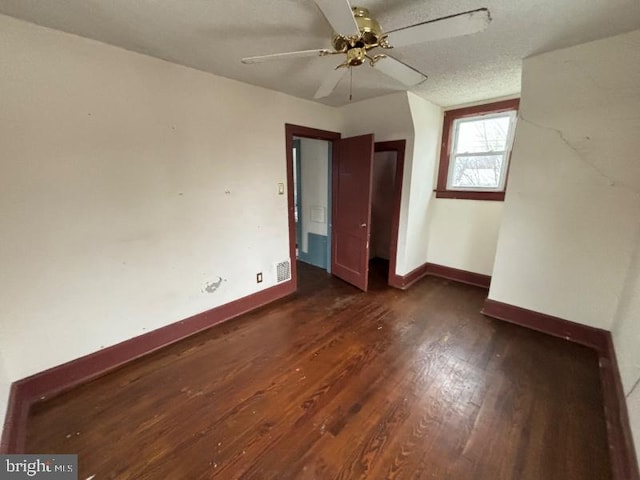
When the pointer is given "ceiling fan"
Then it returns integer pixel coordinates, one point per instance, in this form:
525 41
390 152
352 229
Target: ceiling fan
358 34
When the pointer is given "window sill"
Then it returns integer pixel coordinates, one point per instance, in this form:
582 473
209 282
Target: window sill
468 195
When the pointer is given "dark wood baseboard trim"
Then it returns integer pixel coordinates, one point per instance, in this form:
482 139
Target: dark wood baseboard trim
621 449
28 391
405 281
457 275
462 276
558 327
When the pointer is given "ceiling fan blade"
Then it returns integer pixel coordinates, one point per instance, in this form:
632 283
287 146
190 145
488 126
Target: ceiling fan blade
445 27
339 15
286 56
330 82
400 71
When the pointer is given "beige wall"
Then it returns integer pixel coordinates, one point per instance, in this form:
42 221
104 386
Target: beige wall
5 385
626 325
571 210
633 404
422 173
626 338
129 183
463 234
314 178
569 240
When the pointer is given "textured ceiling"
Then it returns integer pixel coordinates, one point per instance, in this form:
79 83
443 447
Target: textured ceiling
213 35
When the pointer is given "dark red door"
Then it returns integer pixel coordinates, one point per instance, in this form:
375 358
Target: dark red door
352 167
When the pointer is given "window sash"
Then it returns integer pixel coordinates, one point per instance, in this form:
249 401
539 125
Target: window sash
501 179
505 154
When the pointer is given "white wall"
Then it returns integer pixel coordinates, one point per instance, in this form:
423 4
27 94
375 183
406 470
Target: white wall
314 178
129 183
570 236
571 209
626 326
422 173
633 405
5 386
463 234
626 338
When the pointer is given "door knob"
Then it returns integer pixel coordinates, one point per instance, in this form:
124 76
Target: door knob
363 225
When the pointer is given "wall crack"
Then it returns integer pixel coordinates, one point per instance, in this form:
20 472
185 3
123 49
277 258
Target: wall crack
610 180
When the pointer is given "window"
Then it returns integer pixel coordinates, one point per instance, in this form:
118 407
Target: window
475 151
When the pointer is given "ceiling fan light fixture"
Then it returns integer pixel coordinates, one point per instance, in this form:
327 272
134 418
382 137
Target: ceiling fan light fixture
356 56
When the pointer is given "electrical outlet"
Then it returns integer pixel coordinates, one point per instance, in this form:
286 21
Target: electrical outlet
259 277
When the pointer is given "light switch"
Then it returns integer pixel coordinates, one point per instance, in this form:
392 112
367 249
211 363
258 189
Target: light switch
281 189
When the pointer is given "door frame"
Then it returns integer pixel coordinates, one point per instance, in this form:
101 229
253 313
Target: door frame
291 131
298 193
399 147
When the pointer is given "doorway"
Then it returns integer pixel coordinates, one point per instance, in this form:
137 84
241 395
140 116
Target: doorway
294 134
382 191
348 214
388 173
312 200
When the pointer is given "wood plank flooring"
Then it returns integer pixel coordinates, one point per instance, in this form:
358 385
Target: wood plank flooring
332 383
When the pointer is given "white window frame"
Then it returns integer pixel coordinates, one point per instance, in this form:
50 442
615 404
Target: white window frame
506 154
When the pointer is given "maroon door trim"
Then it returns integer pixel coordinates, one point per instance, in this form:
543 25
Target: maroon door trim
304 132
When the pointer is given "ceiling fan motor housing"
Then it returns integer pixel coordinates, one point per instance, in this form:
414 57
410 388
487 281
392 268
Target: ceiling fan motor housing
370 33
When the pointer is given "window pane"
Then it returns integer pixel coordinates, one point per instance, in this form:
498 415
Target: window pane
482 135
481 171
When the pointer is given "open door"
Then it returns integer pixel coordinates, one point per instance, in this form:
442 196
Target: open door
351 209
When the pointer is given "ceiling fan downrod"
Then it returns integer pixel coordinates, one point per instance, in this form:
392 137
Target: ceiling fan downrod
356 47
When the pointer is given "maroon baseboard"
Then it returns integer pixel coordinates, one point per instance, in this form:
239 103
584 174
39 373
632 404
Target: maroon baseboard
462 276
558 327
457 275
28 391
405 281
621 449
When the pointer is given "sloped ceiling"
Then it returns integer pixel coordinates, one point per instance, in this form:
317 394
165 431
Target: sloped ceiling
213 35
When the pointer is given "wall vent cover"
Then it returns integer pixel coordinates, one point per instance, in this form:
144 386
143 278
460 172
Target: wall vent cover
283 271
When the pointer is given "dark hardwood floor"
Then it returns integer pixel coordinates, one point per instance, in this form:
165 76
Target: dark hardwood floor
336 384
